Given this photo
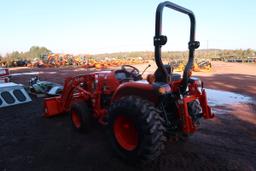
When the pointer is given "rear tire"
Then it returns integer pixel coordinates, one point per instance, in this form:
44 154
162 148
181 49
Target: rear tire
80 116
136 129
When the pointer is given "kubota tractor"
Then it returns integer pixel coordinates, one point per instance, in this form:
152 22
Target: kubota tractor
140 115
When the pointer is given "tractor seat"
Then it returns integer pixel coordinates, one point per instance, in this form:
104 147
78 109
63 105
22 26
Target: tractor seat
159 77
175 77
159 84
164 86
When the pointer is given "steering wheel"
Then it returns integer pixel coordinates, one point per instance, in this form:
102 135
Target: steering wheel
131 70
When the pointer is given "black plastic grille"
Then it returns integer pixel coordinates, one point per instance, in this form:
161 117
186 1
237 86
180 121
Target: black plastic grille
7 97
19 95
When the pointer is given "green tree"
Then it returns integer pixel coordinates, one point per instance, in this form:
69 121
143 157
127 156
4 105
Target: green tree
37 52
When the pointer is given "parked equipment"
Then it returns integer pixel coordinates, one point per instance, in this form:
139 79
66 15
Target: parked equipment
44 88
12 94
203 66
4 75
140 115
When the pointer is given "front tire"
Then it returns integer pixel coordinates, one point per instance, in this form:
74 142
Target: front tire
80 116
136 129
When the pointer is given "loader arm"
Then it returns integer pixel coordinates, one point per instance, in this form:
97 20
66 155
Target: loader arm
61 104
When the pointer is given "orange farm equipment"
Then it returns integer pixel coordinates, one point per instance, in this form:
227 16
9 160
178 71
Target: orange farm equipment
139 115
203 66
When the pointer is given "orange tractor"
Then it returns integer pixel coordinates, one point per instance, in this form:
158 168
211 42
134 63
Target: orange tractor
139 115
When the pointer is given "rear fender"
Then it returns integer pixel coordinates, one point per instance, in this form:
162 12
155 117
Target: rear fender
143 90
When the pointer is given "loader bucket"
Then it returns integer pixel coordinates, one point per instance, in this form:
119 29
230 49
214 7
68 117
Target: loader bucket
53 106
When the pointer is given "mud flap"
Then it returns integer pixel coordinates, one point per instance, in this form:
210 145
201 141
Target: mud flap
207 112
13 94
187 125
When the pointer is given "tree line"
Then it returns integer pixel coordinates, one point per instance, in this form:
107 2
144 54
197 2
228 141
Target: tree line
21 58
201 54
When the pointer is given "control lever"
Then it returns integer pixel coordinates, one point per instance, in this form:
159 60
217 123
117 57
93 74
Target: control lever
145 69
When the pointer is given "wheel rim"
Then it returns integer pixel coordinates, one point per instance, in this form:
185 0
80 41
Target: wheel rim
125 132
76 119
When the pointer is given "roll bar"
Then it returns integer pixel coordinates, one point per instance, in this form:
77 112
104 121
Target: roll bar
160 40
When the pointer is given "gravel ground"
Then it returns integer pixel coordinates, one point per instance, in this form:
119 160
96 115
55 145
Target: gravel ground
30 142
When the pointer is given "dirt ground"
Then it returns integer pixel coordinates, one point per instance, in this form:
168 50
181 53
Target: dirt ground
30 142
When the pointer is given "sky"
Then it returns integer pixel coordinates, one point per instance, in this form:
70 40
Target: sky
105 26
